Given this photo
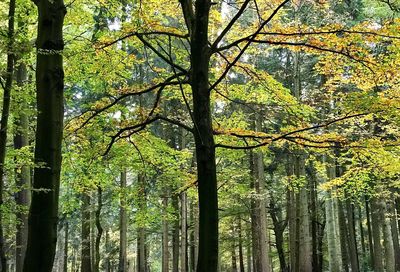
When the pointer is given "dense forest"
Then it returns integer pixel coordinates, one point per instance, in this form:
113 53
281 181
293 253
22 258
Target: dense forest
199 135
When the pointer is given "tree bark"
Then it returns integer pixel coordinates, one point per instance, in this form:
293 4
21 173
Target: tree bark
165 236
203 135
99 228
353 253
86 264
370 238
22 176
122 266
376 235
390 264
175 235
4 123
395 235
65 253
241 258
184 255
42 234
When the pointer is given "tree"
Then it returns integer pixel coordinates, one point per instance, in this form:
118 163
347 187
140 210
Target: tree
43 213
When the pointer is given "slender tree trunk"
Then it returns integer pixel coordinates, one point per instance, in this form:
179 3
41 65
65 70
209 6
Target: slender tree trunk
390 263
65 255
98 227
353 253
292 218
86 265
141 232
233 258
42 235
22 177
395 235
241 258
165 236
362 235
333 252
4 123
122 266
184 255
279 228
376 235
370 238
175 235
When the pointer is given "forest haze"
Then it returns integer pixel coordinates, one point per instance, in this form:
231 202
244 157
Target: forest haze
200 136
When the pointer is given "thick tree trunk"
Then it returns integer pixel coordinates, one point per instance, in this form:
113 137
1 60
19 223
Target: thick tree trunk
86 265
22 176
4 123
122 266
42 235
204 139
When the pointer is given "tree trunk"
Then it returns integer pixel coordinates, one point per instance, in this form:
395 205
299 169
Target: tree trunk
184 255
390 263
241 258
376 235
370 238
333 252
99 228
165 234
279 228
86 265
122 266
4 123
353 254
42 234
395 235
175 235
305 252
22 176
203 135
65 255
141 232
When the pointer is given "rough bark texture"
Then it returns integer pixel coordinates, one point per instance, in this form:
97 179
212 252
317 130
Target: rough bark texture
42 234
390 265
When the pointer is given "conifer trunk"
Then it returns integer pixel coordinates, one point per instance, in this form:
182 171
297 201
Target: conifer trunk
42 234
